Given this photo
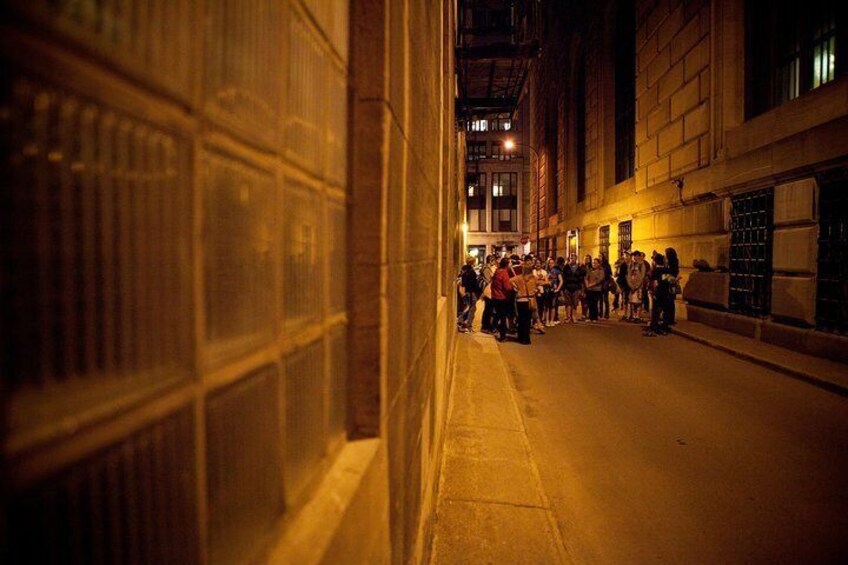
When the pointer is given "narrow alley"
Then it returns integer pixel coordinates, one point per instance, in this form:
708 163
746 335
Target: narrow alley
275 274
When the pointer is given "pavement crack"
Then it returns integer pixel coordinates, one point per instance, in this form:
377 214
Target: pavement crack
497 502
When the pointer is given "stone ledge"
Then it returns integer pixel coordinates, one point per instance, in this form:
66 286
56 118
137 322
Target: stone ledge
811 342
328 529
800 340
742 325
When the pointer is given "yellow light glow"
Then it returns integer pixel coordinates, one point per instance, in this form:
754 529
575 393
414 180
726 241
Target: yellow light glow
509 145
465 228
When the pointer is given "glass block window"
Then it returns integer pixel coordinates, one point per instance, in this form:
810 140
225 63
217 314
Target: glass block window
302 262
239 273
306 417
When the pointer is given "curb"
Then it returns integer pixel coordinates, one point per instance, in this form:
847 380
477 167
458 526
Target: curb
762 361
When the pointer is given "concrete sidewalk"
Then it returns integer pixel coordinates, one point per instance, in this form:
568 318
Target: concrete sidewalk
491 506
829 375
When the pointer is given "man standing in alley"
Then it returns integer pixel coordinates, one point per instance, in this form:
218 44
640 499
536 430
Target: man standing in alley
469 290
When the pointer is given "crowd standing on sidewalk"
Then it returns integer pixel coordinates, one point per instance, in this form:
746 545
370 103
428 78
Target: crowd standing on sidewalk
521 294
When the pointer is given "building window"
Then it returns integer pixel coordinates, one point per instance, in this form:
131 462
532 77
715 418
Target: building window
478 252
475 201
476 150
498 152
792 48
572 243
604 241
505 202
625 90
750 252
501 154
501 123
832 276
480 125
580 145
475 184
552 141
625 236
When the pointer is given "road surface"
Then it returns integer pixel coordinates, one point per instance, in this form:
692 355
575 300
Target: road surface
665 450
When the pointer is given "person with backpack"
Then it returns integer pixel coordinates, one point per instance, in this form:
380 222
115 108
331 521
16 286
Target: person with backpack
660 285
470 292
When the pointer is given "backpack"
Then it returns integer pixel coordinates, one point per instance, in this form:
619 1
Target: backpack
482 281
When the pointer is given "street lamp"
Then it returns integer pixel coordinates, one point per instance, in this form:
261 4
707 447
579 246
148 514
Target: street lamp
509 145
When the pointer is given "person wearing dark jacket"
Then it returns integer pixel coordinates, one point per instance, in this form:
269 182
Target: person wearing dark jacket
469 290
605 288
661 290
673 265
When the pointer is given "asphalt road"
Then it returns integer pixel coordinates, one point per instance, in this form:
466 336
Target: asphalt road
665 450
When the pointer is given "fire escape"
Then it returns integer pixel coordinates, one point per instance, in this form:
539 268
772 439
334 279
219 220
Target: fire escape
496 41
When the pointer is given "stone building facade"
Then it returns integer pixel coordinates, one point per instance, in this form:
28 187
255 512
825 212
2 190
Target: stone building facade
712 126
229 234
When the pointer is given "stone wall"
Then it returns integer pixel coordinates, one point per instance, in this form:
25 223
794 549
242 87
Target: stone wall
229 314
695 146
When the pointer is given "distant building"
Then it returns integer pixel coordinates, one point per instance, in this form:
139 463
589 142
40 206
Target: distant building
497 184
717 128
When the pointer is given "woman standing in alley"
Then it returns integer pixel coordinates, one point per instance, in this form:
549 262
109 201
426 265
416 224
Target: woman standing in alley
672 263
525 292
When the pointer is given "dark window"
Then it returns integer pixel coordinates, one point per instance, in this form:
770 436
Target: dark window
625 90
501 123
751 231
476 150
625 236
792 48
604 241
832 276
552 139
580 103
475 201
505 202
501 154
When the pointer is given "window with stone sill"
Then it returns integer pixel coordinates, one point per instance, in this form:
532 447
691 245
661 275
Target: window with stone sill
792 49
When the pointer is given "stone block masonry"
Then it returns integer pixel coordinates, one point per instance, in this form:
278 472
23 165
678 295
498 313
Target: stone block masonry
695 147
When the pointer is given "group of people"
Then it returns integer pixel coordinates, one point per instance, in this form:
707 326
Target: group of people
527 293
